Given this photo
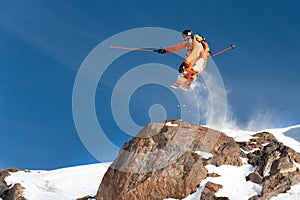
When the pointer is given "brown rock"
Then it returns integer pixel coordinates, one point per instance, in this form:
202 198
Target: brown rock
275 167
88 197
210 190
275 185
177 180
272 159
160 162
263 138
222 198
228 153
213 175
15 193
10 193
3 185
213 186
255 178
258 141
255 197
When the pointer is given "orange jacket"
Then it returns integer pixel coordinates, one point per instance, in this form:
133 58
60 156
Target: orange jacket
195 51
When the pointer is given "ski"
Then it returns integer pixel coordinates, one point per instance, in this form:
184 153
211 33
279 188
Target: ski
184 82
181 80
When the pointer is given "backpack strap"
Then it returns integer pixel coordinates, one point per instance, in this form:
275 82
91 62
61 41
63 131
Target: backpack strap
204 44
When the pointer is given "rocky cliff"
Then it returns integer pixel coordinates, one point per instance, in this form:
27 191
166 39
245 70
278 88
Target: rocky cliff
7 192
168 160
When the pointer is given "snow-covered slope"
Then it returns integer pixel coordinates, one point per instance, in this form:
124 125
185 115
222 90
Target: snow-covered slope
279 133
60 184
75 182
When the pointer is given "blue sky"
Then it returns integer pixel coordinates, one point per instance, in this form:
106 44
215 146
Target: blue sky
43 44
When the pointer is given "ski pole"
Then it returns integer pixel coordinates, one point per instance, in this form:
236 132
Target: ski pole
222 51
150 50
128 48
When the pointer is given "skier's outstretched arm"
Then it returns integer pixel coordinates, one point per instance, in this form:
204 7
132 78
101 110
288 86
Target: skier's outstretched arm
174 48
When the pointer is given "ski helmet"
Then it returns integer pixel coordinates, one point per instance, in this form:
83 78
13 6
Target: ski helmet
187 32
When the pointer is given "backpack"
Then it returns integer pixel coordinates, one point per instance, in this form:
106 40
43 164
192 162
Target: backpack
204 44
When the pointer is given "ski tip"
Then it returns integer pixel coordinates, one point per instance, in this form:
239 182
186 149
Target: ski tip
184 89
232 46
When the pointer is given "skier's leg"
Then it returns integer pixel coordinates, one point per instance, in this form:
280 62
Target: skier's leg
199 66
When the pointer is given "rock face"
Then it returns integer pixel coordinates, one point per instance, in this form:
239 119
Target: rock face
165 160
10 193
276 165
161 162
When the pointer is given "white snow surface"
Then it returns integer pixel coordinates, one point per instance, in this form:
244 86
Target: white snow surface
60 184
204 154
75 182
171 124
233 181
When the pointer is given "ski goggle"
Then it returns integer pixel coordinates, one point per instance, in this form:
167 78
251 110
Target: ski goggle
187 39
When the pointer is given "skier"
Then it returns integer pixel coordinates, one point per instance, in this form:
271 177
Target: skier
196 57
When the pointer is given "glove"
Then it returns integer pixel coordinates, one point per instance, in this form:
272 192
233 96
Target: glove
182 67
161 51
